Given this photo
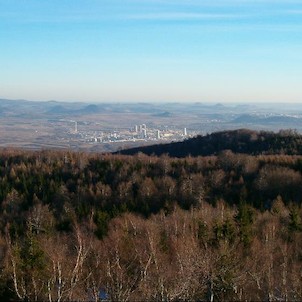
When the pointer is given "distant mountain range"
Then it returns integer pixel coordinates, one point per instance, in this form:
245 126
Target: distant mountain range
16 107
237 141
231 113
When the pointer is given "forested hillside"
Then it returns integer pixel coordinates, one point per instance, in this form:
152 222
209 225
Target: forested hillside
76 226
238 141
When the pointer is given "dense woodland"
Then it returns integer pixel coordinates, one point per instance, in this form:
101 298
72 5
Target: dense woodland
92 227
238 141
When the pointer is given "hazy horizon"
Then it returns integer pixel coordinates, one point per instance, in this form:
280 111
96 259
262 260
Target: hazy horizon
157 102
229 51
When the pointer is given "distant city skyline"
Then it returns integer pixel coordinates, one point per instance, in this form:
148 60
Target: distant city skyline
224 51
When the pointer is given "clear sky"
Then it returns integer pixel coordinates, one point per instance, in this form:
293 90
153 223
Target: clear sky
151 50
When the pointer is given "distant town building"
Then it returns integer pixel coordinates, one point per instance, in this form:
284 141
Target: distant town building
185 131
144 133
75 127
136 128
157 134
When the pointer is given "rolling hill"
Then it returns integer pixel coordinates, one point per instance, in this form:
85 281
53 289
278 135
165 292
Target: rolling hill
238 141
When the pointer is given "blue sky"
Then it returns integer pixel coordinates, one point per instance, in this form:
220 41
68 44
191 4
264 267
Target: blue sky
151 51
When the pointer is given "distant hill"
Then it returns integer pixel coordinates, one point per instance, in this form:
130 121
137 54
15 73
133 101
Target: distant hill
272 119
238 141
57 109
163 114
90 109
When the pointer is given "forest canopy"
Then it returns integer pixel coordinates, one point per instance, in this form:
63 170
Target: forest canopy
79 226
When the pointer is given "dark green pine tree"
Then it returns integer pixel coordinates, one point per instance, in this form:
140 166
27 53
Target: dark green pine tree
244 219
